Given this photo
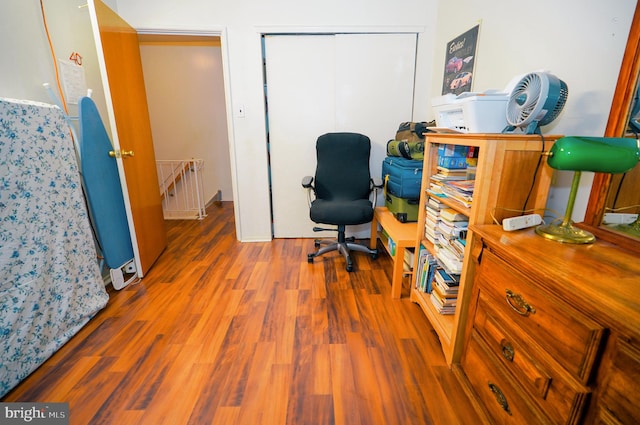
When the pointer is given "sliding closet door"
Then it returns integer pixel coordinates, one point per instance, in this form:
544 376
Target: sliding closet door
323 83
301 106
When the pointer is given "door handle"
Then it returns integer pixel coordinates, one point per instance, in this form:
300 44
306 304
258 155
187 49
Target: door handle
120 154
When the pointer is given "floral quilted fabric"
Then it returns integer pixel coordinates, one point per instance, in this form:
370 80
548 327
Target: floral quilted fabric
50 282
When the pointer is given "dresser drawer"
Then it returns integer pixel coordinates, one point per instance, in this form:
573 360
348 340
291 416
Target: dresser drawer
559 395
504 402
569 337
620 397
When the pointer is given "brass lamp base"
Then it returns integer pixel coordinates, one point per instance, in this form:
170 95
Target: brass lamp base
565 233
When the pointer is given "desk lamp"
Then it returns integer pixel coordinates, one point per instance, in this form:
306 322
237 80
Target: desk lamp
597 154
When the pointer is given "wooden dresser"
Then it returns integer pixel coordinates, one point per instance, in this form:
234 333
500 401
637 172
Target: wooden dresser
553 330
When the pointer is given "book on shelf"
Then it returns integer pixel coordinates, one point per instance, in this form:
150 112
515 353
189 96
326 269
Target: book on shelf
465 186
449 296
448 279
442 177
451 171
452 191
451 249
432 213
431 222
432 225
435 203
436 192
451 263
462 200
459 244
409 257
423 256
446 290
451 232
452 215
432 218
444 299
430 234
391 246
461 224
426 268
436 189
442 309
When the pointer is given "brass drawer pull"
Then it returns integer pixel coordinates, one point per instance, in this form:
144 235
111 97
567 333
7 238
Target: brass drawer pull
508 352
500 398
518 304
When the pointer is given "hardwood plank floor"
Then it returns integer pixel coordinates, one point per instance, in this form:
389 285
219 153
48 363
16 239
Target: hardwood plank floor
222 332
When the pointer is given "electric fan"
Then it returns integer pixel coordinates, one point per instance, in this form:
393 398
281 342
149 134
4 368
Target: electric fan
536 100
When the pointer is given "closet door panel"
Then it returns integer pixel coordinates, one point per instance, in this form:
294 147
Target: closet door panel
323 83
374 88
300 94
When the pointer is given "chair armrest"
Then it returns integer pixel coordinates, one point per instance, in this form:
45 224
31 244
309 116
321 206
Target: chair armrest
307 182
376 182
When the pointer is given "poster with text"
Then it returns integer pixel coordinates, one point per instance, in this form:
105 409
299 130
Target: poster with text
459 62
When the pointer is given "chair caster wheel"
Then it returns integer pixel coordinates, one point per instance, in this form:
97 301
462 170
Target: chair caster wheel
349 267
374 256
316 244
310 258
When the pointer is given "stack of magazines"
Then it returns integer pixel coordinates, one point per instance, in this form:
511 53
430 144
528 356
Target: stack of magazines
460 191
444 291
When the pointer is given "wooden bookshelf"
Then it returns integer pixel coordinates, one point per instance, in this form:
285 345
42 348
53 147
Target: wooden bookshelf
511 170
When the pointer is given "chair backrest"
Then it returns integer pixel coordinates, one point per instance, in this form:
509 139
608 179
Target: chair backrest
343 172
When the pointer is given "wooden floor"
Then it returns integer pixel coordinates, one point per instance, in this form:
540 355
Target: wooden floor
222 332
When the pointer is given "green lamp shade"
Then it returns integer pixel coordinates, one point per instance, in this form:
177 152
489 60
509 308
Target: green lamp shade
597 154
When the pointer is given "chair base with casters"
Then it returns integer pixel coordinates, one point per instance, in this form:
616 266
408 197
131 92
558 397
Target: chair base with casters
343 245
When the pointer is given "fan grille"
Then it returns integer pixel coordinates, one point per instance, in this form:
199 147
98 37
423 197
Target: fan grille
523 100
537 99
562 99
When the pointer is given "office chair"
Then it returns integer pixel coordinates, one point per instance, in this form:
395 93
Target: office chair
341 191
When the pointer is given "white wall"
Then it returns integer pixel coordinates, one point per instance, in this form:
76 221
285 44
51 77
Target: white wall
243 22
26 58
580 41
185 92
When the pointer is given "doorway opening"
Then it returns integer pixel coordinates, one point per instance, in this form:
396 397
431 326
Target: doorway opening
187 109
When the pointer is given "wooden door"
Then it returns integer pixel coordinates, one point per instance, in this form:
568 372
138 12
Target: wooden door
127 101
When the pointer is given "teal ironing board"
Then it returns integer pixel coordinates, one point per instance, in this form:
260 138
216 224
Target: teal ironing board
102 186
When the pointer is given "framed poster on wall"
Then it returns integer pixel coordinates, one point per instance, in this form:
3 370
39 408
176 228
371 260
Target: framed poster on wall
460 58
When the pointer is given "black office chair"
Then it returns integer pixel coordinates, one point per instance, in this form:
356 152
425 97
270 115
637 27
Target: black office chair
341 191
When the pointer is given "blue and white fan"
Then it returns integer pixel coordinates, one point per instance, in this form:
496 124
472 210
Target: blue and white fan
536 100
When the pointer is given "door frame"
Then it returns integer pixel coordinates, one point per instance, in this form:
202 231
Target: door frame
220 32
216 32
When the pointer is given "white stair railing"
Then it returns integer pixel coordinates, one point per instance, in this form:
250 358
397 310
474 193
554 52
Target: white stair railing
181 188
